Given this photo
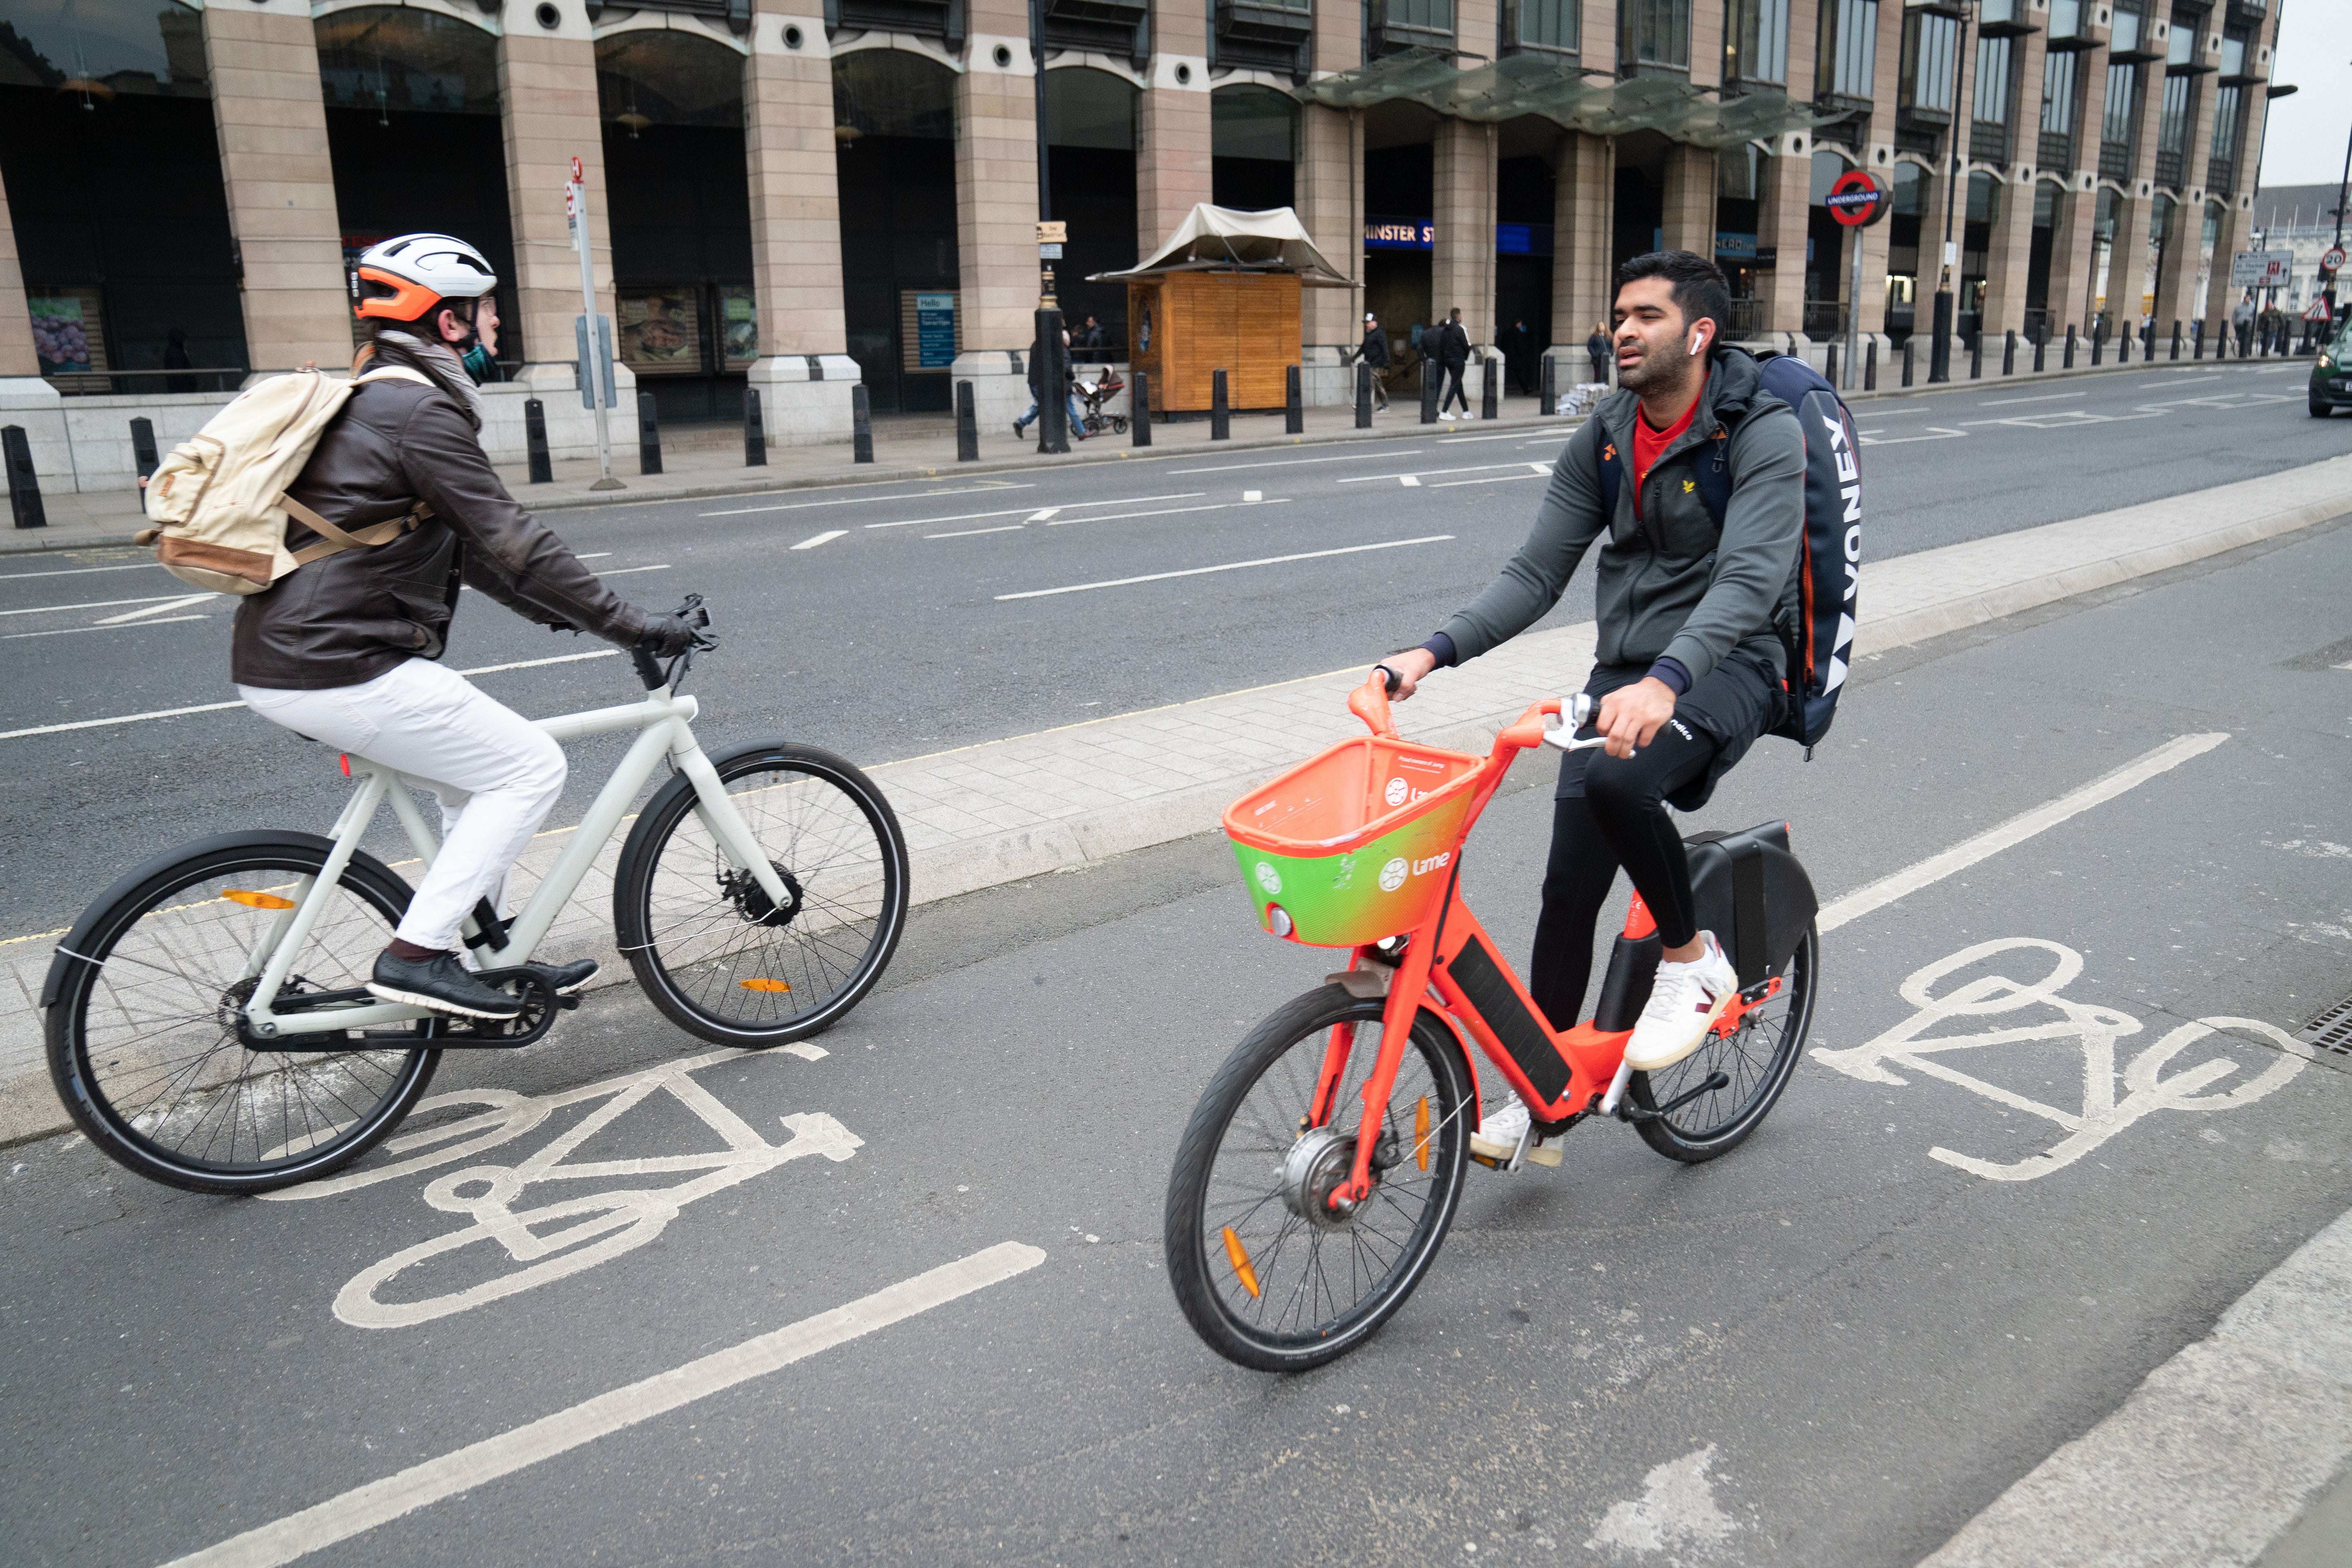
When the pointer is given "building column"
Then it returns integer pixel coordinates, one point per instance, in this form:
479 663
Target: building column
2074 263
1583 199
2008 254
1173 134
2176 287
16 357
789 156
25 396
1689 206
1788 194
262 60
1330 203
2127 264
1462 264
996 210
547 94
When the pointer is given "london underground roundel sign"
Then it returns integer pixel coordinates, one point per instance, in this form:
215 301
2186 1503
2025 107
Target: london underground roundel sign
1857 200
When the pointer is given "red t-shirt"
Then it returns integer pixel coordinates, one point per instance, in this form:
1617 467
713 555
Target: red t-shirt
1649 443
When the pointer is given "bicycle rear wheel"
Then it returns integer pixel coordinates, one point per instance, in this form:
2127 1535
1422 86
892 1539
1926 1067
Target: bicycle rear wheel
718 958
144 1039
1262 1268
1758 1057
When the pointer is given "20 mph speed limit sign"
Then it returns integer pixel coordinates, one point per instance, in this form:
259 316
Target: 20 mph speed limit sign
1857 200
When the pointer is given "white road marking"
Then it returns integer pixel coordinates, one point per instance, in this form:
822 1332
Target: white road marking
625 570
2095 1029
1405 479
217 707
1041 514
1429 473
75 631
1466 440
1202 571
1296 462
80 571
362 1508
1540 467
1167 511
968 533
1935 433
182 604
2016 830
2044 397
1494 478
865 500
814 539
1013 511
96 605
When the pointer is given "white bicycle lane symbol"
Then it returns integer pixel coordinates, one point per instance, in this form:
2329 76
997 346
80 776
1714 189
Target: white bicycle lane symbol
603 1226
2144 1090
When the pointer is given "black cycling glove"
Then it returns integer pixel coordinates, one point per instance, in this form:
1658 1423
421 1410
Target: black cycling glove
666 635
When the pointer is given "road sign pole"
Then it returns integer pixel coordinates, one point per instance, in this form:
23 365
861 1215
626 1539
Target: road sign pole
576 201
1853 315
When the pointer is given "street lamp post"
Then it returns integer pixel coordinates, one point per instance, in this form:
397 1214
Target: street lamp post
2342 186
1939 351
1053 410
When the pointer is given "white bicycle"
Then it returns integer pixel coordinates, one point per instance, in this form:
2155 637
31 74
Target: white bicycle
208 1020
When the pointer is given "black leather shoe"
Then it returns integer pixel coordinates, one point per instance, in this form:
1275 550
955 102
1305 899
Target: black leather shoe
440 983
564 979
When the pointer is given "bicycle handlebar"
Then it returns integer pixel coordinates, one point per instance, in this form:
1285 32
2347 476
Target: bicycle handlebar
649 667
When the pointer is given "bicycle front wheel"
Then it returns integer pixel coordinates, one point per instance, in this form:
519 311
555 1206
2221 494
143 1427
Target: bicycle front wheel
1266 1273
1758 1057
145 1044
720 958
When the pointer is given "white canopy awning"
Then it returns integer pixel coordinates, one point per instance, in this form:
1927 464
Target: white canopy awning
1224 238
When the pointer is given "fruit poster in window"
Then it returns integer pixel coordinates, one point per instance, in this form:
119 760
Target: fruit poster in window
61 333
661 334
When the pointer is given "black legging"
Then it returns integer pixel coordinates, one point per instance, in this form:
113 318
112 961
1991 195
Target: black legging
1453 388
1621 820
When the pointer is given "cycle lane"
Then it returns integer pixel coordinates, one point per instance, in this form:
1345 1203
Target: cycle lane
1015 1087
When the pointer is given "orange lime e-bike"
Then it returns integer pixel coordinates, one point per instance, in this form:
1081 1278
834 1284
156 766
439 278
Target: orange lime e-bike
1324 1163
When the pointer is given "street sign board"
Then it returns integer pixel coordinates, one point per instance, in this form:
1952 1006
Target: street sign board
1856 200
1053 233
1049 253
2260 269
2334 260
2319 311
577 177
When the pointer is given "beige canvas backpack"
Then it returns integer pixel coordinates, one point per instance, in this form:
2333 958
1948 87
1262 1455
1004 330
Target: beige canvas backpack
217 504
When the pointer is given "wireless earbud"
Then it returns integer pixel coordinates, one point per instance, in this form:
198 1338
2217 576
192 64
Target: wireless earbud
1698 344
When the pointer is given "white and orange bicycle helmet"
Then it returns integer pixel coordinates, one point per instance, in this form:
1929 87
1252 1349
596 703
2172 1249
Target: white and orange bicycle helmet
404 278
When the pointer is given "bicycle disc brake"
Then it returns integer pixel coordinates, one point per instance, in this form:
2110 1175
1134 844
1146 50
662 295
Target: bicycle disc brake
751 900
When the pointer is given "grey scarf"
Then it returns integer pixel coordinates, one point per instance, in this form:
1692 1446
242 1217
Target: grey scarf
441 363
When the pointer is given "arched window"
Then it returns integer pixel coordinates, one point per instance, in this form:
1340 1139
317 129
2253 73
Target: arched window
390 60
1254 147
894 135
665 76
1090 150
892 92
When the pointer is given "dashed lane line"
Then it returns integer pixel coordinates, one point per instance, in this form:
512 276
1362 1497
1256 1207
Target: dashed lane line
102 627
1227 566
1296 462
867 500
814 539
362 1508
1031 511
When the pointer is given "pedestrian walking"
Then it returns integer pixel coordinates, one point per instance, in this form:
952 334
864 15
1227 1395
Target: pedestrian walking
1519 357
2242 319
1090 343
1036 388
1454 357
1596 349
2271 326
1374 352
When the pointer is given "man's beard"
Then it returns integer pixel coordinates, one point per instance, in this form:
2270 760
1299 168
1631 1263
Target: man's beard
1653 371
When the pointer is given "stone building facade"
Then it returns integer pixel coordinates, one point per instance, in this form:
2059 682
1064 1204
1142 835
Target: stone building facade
793 196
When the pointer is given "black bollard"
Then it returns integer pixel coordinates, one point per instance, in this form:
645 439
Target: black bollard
143 454
2008 353
2097 345
2196 340
2068 363
1550 404
2041 345
1830 363
2123 348
1430 377
1294 407
1141 416
966 425
1363 395
1221 418
861 424
2176 338
23 485
1907 345
648 435
2148 344
1870 365
534 440
1487 392
1053 368
755 431
1976 356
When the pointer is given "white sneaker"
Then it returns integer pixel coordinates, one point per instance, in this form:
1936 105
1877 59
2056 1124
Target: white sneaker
1686 999
1503 1129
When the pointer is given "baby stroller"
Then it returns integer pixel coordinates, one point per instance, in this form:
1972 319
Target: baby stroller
1093 397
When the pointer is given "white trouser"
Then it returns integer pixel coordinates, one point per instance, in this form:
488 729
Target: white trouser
496 774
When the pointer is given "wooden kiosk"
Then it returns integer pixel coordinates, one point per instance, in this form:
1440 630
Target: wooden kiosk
1224 293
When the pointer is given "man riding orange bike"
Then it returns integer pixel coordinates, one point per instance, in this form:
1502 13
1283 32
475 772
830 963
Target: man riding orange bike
1690 669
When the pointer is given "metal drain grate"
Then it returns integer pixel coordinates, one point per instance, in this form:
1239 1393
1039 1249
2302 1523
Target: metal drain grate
2332 1031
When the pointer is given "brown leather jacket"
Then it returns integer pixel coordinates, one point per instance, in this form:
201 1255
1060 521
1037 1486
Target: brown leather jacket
348 617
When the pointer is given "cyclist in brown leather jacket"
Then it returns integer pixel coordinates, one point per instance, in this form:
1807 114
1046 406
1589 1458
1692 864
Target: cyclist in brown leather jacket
345 651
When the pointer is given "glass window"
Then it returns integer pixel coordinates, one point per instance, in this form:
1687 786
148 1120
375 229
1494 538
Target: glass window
1992 81
2182 46
2066 18
1930 45
891 93
2123 104
2225 121
2058 92
1421 16
1092 109
2125 36
1847 64
1550 24
2233 53
97 48
666 78
1253 122
1756 40
392 57
1652 32
2172 127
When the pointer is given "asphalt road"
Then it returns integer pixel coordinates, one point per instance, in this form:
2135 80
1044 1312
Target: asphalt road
894 638
1828 1349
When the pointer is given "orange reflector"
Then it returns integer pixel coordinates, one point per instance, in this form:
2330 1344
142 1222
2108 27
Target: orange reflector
347 765
257 901
764 985
1240 1260
1421 1133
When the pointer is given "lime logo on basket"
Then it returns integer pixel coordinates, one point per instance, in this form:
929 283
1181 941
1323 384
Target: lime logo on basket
1396 790
1271 879
1392 875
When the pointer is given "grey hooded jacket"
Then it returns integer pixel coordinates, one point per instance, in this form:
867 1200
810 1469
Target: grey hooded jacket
1669 583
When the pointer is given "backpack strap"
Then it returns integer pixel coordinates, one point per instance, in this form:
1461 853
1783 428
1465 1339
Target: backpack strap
333 539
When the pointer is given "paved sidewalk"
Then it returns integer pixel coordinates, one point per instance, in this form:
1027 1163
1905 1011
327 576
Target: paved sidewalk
980 815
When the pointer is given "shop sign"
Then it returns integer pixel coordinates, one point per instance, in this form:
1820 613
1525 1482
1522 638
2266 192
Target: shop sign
1732 246
1400 234
935 330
